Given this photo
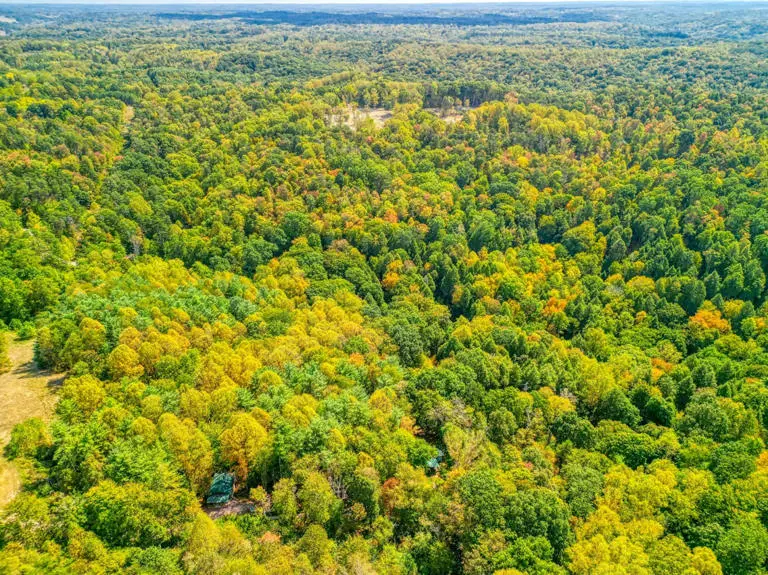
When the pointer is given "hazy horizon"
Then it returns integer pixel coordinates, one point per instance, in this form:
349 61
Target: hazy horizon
363 2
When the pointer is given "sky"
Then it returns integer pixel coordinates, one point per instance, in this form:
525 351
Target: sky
326 2
285 3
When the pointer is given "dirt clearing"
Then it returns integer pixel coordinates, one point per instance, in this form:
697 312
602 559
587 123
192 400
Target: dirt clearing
25 392
354 117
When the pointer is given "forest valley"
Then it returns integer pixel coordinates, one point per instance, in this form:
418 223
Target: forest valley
446 292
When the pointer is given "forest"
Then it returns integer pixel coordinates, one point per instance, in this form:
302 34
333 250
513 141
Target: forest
469 290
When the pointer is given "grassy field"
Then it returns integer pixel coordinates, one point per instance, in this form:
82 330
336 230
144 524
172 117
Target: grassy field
25 391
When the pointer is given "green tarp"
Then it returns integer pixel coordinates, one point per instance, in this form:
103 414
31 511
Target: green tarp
221 489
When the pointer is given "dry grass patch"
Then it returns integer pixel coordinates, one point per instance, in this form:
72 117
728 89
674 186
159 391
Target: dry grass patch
25 392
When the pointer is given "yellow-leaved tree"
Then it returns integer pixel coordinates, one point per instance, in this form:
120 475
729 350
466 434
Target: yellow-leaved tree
242 443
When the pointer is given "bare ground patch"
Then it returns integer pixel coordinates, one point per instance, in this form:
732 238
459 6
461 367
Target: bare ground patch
128 113
450 115
25 391
354 117
232 507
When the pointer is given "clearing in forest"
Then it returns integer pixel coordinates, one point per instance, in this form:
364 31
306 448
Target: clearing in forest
25 391
354 116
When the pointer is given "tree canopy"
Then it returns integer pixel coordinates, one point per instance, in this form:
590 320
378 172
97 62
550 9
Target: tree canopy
447 293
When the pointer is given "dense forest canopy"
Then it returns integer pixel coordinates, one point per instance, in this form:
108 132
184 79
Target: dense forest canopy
447 290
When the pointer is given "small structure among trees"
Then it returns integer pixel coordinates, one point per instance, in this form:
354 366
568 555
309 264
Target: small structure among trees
222 488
